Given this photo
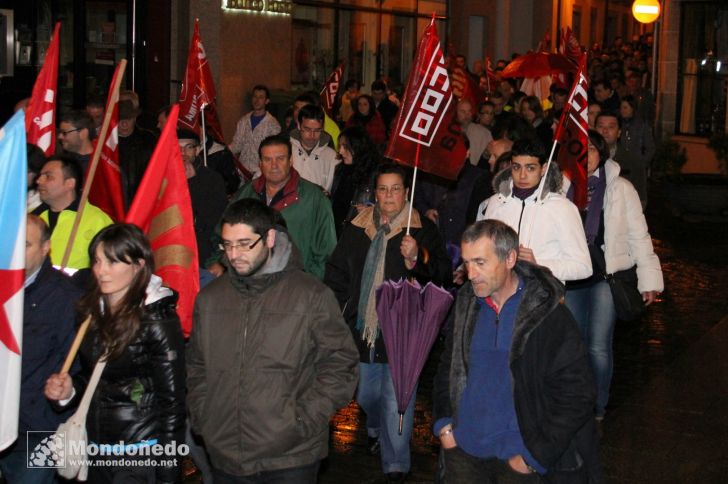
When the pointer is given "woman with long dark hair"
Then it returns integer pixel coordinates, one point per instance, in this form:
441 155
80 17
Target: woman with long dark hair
351 190
617 236
139 400
367 116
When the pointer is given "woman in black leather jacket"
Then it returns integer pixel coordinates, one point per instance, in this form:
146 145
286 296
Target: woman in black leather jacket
139 401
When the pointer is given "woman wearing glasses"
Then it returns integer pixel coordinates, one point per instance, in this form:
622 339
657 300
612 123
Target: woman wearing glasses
373 248
139 400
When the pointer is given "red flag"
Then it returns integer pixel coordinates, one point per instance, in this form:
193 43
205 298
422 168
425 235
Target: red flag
198 90
40 115
163 209
330 89
572 135
426 134
464 87
106 190
569 45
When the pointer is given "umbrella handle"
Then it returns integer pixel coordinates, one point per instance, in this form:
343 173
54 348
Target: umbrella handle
401 421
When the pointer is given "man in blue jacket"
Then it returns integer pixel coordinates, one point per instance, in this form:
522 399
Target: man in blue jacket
49 319
514 395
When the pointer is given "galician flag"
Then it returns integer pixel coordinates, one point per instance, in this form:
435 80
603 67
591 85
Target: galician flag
13 182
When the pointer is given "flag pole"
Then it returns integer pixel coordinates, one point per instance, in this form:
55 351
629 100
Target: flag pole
76 344
204 135
92 168
414 182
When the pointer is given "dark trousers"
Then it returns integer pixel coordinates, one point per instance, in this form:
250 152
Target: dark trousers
462 468
14 463
293 475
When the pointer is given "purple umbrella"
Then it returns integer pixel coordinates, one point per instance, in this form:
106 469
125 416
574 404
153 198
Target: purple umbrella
410 317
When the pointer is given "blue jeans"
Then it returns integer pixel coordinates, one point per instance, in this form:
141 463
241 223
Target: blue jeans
376 397
593 309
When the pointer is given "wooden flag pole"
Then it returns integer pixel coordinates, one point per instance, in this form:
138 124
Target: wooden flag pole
75 346
92 168
204 134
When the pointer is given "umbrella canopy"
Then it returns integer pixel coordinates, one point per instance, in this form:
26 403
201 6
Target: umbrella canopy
538 64
409 317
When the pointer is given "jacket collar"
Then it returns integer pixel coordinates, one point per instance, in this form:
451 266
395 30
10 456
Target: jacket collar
288 194
503 182
365 220
542 293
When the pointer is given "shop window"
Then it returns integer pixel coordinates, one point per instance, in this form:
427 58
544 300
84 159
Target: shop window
703 71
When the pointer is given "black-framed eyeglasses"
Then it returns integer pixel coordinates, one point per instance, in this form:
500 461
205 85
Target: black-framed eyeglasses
241 245
68 131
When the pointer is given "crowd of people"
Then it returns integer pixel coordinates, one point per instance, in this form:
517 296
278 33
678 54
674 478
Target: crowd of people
296 230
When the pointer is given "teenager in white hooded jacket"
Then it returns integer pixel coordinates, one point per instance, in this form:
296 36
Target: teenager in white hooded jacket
548 225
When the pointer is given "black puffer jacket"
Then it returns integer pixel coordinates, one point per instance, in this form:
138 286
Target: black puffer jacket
141 393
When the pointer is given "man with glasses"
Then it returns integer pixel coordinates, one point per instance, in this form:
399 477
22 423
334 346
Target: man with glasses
270 358
303 205
314 160
76 132
549 227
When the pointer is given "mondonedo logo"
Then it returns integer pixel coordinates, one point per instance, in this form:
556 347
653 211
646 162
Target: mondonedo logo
54 450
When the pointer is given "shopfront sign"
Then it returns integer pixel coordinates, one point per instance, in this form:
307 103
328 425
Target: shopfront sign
284 7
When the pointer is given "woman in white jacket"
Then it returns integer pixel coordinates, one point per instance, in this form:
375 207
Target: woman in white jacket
616 231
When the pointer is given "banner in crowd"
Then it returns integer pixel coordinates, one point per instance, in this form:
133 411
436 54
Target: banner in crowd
163 209
106 192
569 45
198 91
330 89
13 182
426 133
40 115
572 134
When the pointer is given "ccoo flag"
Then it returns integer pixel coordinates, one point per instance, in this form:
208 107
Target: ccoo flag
198 91
330 89
13 174
163 209
572 134
40 118
426 134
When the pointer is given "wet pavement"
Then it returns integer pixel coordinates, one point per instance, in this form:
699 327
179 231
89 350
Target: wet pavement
667 419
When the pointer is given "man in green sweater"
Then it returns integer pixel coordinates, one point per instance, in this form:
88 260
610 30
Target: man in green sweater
303 205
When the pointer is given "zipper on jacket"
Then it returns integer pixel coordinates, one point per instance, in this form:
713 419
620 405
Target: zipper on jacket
497 325
520 217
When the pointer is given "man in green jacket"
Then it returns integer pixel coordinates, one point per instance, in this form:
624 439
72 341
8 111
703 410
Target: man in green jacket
270 358
303 205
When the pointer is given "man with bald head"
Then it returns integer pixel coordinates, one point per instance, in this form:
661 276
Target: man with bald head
49 319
